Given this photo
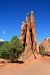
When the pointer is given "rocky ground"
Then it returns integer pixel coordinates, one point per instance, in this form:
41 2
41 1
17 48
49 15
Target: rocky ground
40 66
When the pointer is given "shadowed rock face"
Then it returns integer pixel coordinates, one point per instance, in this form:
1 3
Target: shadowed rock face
28 36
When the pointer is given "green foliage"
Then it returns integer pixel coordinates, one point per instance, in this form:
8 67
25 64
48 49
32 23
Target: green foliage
11 50
4 53
1 43
42 50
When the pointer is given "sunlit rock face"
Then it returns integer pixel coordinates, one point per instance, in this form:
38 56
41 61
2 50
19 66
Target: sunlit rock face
28 36
46 44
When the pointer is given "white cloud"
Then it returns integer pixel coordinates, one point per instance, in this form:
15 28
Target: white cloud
4 32
2 40
48 38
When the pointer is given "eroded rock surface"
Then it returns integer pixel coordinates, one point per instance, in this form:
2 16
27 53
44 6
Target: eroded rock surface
28 37
46 44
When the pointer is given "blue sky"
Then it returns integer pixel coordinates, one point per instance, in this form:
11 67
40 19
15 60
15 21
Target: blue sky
13 12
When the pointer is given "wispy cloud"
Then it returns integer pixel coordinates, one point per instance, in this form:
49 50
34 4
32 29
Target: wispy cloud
2 40
4 32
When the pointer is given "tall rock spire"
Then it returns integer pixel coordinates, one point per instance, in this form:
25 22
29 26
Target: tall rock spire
28 36
34 39
28 43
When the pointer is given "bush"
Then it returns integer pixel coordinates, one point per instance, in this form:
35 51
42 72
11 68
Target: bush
4 50
11 50
42 50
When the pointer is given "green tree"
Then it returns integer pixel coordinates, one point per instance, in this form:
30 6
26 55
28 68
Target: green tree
11 50
4 50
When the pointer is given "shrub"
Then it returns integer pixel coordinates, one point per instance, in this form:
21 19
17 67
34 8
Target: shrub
42 50
4 50
11 50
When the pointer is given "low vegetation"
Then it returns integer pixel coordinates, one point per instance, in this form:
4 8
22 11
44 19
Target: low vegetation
11 50
42 51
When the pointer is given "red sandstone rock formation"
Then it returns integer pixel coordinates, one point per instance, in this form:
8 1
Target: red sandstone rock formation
34 39
28 37
23 31
46 44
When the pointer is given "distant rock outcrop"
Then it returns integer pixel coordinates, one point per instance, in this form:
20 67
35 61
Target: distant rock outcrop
46 44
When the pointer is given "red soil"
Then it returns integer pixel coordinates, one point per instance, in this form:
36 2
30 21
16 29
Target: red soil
39 66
